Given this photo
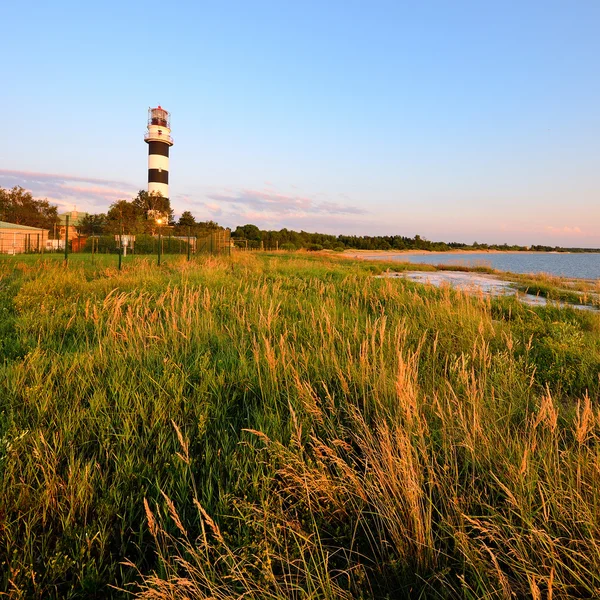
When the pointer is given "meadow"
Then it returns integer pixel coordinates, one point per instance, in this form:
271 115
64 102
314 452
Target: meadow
276 426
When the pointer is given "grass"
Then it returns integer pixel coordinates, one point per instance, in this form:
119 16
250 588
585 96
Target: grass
559 289
288 426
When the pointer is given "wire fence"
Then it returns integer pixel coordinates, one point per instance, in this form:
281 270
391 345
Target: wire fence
213 242
14 242
210 242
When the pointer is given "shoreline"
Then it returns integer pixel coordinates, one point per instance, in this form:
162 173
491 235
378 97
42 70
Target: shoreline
360 253
529 263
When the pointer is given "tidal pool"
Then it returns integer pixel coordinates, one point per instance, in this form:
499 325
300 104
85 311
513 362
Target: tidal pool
476 283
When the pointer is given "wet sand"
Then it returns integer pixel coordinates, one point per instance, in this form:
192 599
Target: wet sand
384 253
477 283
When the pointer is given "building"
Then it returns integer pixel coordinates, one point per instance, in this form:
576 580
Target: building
75 219
159 140
16 239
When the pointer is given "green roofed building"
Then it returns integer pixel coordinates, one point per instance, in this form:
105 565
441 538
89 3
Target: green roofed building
75 218
15 239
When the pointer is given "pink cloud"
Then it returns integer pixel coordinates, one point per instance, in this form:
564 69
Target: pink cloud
67 190
96 191
36 176
213 208
267 201
564 230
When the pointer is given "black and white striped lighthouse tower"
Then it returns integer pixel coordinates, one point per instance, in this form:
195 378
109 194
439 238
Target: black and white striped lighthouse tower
159 140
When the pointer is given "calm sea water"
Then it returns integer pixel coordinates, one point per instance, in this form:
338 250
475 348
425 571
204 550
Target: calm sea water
582 266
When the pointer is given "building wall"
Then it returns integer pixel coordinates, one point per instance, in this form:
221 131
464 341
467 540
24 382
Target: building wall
72 232
17 241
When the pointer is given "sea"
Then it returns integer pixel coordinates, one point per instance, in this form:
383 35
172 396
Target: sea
564 264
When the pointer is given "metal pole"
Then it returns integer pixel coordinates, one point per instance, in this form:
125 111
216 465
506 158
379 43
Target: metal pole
188 241
120 248
159 244
67 239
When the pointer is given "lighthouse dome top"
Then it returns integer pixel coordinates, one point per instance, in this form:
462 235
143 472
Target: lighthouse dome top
159 116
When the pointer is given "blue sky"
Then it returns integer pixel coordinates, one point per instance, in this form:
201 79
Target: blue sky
454 120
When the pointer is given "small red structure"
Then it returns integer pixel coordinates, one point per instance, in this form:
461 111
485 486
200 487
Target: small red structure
78 243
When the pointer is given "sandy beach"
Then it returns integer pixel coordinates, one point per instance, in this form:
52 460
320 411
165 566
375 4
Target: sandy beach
384 253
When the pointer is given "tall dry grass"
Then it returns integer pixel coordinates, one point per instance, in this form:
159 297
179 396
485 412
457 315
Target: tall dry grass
290 427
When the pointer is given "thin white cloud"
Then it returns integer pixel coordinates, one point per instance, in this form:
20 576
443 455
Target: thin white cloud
270 209
271 203
66 190
564 230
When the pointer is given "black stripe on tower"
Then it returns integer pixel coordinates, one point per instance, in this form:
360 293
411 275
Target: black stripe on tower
158 176
159 148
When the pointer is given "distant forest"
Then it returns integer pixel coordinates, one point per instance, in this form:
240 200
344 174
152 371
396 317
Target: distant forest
140 216
287 239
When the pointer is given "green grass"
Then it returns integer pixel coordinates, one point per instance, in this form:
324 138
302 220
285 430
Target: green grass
559 289
288 426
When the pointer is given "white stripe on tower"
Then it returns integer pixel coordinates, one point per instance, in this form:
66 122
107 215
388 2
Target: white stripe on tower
156 161
162 188
159 141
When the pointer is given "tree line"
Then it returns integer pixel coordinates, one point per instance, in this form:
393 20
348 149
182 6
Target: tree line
288 239
17 205
145 213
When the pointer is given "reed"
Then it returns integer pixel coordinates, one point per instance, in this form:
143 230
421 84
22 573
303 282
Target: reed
289 426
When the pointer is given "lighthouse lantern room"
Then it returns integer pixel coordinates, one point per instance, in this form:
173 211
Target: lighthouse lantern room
158 138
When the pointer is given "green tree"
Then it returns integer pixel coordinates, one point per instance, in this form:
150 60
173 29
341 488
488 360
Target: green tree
92 224
248 232
209 225
186 219
17 205
124 216
153 206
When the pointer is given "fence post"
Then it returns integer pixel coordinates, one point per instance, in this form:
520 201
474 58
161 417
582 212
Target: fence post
66 239
120 249
188 242
159 244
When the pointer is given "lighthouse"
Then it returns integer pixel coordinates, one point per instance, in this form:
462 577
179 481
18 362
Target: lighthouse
158 138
